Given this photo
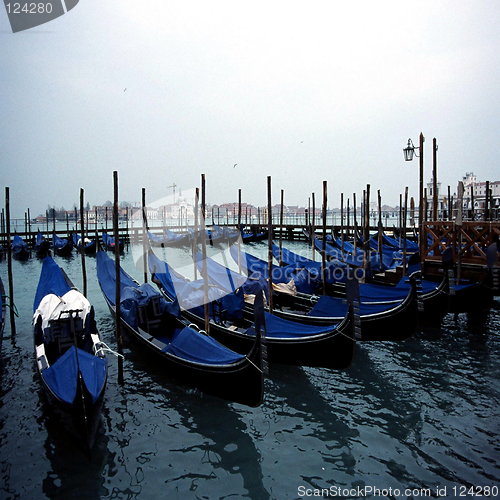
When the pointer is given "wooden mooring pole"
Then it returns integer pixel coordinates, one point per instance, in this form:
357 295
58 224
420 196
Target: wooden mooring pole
118 322
82 247
144 235
204 270
9 265
269 245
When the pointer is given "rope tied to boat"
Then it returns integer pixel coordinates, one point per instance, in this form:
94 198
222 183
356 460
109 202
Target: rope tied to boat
104 348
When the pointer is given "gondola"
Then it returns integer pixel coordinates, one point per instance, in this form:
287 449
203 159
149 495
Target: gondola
431 295
69 353
20 249
186 352
249 236
380 319
62 246
89 246
109 242
232 323
42 245
170 239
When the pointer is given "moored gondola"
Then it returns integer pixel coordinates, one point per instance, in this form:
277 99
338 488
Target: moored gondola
109 242
380 319
62 246
328 345
183 350
42 245
69 353
88 246
20 249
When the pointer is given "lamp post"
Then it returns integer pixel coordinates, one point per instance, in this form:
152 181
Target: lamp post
409 151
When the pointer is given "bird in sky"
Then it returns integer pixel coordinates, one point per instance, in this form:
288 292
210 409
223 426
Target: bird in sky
234 166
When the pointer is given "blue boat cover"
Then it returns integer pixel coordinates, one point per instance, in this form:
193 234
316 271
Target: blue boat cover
62 376
189 344
77 237
335 270
190 294
108 240
306 279
334 307
285 329
106 276
140 295
398 244
177 238
39 239
18 244
59 242
352 260
52 280
130 290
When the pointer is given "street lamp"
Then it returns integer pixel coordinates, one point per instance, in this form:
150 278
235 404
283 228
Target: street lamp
408 152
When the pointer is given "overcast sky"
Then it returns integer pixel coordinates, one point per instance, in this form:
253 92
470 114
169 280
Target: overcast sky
163 91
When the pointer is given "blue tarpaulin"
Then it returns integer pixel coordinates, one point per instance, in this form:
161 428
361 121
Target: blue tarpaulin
189 344
62 376
130 290
277 327
52 280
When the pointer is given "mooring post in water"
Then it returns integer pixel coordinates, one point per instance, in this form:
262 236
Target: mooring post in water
269 245
9 264
487 202
98 245
144 229
313 222
405 212
204 255
47 221
354 224
341 225
366 236
348 220
400 219
239 209
240 231
323 253
117 278
412 213
421 203
29 221
281 226
434 181
379 233
82 247
194 250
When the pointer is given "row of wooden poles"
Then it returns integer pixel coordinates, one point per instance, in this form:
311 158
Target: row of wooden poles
202 223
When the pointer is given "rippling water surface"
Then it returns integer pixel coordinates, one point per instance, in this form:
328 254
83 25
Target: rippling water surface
421 413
